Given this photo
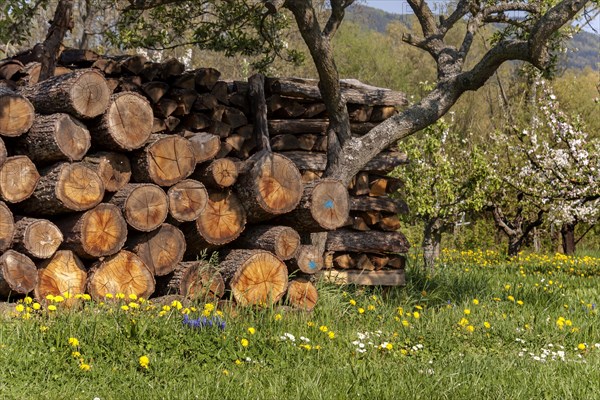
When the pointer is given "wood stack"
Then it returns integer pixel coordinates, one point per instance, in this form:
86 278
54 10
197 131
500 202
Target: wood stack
118 174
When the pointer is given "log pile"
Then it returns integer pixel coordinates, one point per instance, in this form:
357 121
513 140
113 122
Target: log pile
118 174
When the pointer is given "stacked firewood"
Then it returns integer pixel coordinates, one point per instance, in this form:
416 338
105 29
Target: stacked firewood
118 175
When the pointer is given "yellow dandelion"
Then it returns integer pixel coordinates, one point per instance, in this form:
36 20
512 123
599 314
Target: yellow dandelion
36 306
277 317
76 354
520 302
125 307
467 311
238 362
323 328
581 346
331 335
19 308
361 310
120 295
371 307
470 329
108 296
487 325
85 367
475 301
389 346
352 302
310 324
144 362
244 342
51 307
209 307
27 300
73 342
225 372
416 315
511 298
251 331
405 323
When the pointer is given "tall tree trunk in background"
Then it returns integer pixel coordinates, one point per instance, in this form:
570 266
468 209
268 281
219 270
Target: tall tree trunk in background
62 22
567 232
432 238
517 230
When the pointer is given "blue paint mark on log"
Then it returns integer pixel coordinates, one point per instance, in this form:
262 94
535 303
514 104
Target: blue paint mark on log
329 204
312 264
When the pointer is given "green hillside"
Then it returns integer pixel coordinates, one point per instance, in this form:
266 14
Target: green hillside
583 50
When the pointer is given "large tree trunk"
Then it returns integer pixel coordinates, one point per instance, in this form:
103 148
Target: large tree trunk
432 238
567 232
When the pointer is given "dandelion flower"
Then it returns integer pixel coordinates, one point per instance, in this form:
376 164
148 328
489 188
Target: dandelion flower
108 296
85 367
352 302
244 342
416 315
120 295
125 307
470 329
36 306
251 331
76 354
475 301
405 323
87 297
20 308
73 342
581 346
225 372
371 307
52 307
520 302
28 300
467 311
487 325
277 317
511 298
310 324
238 362
59 299
323 328
331 335
134 305
132 296
144 362
361 310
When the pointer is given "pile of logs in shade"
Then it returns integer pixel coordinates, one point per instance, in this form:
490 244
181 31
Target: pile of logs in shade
120 175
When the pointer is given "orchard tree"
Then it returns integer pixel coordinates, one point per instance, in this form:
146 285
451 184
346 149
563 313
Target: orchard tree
553 163
447 177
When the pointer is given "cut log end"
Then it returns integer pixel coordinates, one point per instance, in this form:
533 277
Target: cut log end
130 120
17 114
79 188
161 250
103 230
221 173
124 273
260 279
302 294
187 200
146 207
72 137
330 204
38 238
113 168
196 280
279 184
170 160
7 227
18 179
90 94
18 274
63 273
309 260
223 219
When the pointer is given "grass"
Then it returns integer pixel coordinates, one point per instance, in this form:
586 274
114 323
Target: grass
534 333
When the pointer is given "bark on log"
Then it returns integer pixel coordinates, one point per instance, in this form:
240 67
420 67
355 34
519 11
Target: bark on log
219 174
166 160
318 126
382 163
394 206
282 241
16 113
272 187
324 206
18 179
38 238
255 277
99 232
206 78
302 294
145 206
373 278
33 70
83 94
124 273
308 260
7 227
354 92
126 124
55 137
369 242
3 153
194 280
64 188
155 90
63 273
161 250
222 221
187 200
18 274
113 168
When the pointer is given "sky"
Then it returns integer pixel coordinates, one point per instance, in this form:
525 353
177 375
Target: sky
401 7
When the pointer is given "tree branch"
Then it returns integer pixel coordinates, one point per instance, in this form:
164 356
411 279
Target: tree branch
424 15
549 24
338 7
501 221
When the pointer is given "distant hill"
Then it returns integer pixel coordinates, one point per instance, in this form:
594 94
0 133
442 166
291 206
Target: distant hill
583 50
